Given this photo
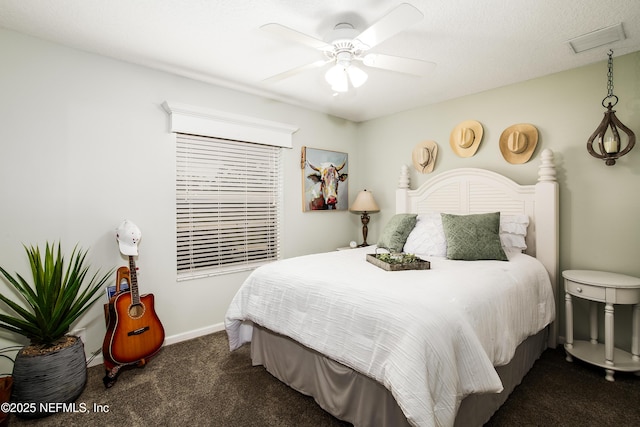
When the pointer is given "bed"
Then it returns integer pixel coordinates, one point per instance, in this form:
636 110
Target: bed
443 346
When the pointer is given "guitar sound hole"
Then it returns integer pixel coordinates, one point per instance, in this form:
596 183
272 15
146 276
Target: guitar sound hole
136 310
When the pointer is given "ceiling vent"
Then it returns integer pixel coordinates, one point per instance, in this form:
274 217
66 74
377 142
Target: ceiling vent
597 38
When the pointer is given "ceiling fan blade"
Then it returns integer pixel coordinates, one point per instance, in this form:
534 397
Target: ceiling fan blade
292 72
399 19
296 36
416 67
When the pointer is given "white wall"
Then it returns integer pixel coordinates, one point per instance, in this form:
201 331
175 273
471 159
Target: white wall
599 204
85 144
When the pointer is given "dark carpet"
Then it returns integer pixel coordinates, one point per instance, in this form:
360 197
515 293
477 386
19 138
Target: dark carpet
200 383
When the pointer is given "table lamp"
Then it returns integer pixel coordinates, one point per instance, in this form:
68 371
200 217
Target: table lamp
364 205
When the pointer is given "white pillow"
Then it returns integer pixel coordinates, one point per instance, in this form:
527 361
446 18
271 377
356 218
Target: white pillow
427 237
513 230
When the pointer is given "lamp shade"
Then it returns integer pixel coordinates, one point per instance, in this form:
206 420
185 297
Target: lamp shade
357 76
364 203
340 75
337 78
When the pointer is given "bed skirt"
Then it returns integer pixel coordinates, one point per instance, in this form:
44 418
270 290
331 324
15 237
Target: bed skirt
362 401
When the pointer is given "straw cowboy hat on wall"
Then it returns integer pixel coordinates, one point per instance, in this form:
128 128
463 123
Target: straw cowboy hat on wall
465 138
518 142
424 156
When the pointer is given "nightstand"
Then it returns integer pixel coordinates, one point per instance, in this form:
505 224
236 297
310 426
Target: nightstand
609 288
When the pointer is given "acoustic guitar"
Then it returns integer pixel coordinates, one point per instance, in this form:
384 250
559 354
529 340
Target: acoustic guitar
134 331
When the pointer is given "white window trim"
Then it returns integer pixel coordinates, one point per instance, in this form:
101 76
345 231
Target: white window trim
202 121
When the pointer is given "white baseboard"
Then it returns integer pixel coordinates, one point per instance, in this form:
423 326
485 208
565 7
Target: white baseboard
173 339
194 334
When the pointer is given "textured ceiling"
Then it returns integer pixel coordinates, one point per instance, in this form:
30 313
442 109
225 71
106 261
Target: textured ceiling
477 45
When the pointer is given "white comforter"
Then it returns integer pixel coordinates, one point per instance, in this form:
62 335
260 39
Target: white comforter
431 336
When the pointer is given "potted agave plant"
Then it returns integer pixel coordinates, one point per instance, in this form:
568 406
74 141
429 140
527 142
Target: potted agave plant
52 368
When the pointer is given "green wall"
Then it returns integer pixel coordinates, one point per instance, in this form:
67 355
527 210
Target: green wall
599 204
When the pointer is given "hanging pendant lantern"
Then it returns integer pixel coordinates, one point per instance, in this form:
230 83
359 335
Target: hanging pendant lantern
606 143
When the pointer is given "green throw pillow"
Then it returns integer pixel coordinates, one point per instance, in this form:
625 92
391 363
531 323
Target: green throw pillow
396 231
473 237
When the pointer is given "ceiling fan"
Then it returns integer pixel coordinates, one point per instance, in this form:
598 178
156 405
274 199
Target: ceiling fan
345 45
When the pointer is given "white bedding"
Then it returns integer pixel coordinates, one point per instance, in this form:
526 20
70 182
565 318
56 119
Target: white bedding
430 336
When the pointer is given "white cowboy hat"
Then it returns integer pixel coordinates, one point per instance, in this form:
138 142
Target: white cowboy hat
465 138
424 156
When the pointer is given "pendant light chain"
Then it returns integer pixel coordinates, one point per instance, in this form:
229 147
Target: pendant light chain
610 74
610 81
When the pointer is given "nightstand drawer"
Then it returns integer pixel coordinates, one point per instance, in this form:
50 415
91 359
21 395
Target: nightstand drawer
585 291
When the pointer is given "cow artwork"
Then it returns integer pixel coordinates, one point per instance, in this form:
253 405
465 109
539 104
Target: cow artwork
323 173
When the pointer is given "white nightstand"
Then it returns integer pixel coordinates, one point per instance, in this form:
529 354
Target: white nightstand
609 288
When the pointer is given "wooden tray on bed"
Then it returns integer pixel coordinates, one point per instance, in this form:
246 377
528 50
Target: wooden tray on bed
417 264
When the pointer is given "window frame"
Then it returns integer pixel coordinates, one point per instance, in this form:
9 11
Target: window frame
185 119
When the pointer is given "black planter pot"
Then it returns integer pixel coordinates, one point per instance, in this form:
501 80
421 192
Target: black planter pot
44 382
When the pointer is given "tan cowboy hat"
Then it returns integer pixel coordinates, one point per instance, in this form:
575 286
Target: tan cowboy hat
424 156
518 142
465 138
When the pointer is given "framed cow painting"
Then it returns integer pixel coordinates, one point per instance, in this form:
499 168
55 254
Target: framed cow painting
324 176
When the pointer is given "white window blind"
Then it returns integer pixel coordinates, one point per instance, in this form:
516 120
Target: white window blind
228 199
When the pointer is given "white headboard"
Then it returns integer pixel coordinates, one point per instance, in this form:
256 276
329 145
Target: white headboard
469 191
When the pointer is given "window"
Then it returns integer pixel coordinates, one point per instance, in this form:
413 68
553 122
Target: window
228 190
228 198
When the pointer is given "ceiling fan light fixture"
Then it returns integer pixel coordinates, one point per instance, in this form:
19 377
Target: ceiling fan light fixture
357 76
345 44
336 76
339 77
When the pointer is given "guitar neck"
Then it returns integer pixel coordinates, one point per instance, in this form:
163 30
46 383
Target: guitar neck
133 278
